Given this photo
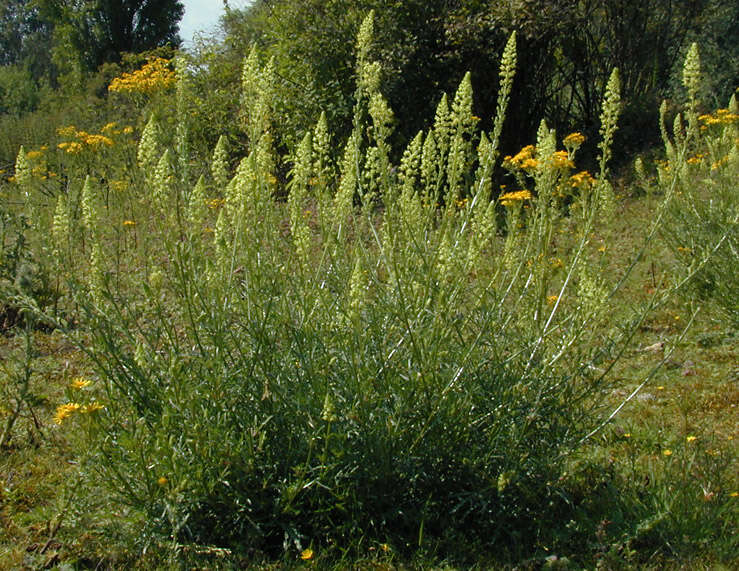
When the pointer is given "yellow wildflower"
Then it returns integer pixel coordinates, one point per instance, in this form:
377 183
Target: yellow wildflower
720 117
74 148
69 131
129 223
667 452
109 127
306 554
719 163
574 140
64 411
583 179
509 198
522 156
92 407
561 160
127 130
91 140
80 383
162 481
552 299
691 438
156 75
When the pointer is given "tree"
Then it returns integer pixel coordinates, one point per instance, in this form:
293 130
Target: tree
25 46
313 43
566 52
25 38
100 30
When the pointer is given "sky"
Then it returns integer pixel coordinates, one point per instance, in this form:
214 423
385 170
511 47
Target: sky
202 16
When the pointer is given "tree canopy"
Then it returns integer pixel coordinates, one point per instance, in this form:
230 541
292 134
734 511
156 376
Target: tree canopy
567 50
99 31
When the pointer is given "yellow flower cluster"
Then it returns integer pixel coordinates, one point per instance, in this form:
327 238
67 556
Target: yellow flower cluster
524 159
720 117
574 140
511 198
156 75
71 147
583 179
84 140
112 129
80 383
69 131
64 411
719 163
561 160
39 168
215 203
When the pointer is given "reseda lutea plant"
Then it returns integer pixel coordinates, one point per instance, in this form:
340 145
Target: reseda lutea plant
699 176
396 353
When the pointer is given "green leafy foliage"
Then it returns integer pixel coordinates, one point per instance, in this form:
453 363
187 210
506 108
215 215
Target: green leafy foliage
566 54
98 31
